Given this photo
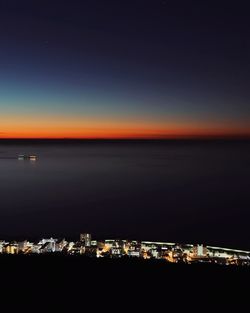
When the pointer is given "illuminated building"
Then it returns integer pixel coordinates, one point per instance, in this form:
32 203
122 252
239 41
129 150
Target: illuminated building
48 245
10 248
60 245
22 246
2 244
134 253
86 239
134 249
199 251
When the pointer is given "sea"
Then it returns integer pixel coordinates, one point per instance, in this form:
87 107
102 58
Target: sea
188 191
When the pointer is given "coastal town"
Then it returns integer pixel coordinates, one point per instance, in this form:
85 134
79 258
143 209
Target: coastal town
120 248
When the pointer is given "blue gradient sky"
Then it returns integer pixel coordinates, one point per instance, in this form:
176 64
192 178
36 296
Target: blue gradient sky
136 69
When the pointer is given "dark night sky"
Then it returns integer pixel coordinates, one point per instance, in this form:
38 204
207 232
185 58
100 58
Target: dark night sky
124 68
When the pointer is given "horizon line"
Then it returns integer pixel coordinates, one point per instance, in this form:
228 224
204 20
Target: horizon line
158 138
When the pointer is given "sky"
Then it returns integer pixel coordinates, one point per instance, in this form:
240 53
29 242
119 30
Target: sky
124 69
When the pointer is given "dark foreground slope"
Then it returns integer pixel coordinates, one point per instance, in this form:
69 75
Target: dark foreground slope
74 281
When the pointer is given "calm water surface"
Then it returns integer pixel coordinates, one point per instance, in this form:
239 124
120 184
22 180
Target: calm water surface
175 191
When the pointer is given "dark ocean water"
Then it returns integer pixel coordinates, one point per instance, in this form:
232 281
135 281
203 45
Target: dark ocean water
181 191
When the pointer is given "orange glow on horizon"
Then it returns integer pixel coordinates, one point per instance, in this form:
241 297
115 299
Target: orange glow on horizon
121 134
51 127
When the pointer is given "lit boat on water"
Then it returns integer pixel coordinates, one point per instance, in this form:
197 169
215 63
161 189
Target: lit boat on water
32 157
27 157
